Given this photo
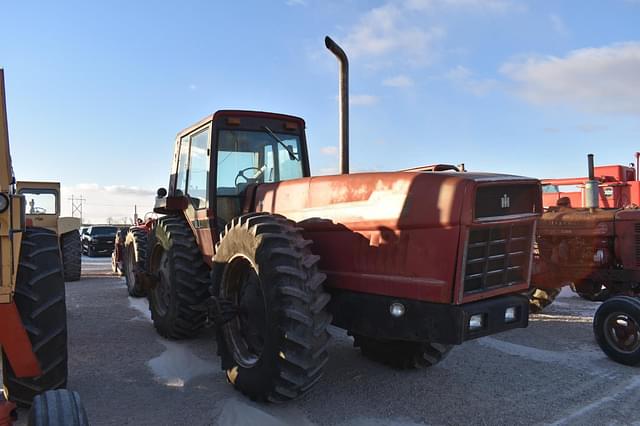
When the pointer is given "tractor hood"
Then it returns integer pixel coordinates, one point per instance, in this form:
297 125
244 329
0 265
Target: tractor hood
402 199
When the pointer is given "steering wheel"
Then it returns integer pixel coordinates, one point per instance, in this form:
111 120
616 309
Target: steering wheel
259 172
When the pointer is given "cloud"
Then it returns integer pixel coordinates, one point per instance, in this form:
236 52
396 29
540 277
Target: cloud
494 6
192 87
558 25
398 81
463 78
296 2
104 202
388 30
329 150
363 100
598 79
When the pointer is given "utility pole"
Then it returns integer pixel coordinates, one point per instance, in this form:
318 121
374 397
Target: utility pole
76 206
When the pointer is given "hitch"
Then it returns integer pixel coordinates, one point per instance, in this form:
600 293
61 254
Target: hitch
219 311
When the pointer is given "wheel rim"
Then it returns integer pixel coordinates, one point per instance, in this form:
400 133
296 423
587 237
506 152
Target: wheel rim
622 332
162 290
246 333
129 265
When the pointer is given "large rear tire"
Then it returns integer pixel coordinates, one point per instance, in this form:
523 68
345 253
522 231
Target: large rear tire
401 354
275 349
540 298
135 256
71 249
182 279
616 326
40 298
58 408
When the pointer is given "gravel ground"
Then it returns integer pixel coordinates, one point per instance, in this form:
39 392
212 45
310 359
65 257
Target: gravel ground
551 373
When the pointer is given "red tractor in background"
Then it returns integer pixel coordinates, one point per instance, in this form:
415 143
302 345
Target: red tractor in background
410 263
596 251
618 187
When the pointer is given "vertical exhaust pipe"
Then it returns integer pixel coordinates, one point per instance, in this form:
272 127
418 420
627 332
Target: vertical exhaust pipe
637 165
344 102
591 187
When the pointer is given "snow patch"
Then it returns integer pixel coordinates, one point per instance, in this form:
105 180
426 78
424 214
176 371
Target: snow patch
141 305
631 388
177 365
588 359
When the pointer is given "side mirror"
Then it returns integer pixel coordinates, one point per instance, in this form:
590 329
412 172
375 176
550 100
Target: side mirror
161 193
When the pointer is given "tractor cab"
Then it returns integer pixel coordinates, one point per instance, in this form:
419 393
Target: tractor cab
218 159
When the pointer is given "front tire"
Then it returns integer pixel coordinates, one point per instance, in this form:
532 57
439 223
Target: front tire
182 279
402 355
58 408
71 250
616 326
134 258
40 298
275 348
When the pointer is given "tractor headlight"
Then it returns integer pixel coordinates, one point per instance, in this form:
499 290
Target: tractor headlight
476 322
4 202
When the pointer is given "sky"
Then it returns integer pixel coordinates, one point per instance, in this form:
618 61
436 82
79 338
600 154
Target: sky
96 92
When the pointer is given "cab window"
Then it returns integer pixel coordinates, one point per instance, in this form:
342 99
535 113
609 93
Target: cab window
181 175
40 201
198 181
255 157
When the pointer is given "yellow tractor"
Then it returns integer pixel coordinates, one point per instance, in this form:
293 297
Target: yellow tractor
33 323
43 211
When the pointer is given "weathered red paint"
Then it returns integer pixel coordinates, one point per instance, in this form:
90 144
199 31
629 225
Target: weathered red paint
400 234
7 412
391 233
16 343
568 237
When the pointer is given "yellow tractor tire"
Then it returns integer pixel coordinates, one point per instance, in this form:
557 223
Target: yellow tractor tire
40 299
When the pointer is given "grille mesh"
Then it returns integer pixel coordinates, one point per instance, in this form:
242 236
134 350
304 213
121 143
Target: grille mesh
497 256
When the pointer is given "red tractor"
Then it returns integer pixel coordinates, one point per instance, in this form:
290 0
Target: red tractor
409 263
596 251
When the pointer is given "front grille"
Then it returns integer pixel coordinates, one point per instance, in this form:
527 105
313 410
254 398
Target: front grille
505 200
497 256
637 234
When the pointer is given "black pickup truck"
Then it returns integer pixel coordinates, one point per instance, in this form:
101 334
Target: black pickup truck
98 240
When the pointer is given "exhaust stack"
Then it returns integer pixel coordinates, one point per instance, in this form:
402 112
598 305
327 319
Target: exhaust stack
591 189
344 102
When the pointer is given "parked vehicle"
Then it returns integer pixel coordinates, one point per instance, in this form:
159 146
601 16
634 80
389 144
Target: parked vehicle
43 210
99 240
410 263
596 251
33 317
117 259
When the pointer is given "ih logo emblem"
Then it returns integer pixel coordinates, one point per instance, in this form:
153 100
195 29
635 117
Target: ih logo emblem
505 202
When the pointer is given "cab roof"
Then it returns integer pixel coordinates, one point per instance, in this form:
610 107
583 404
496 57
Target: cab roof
240 113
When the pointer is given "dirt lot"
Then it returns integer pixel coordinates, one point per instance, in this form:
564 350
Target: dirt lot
551 373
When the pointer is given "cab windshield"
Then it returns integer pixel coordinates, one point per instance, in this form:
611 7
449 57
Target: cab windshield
248 156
